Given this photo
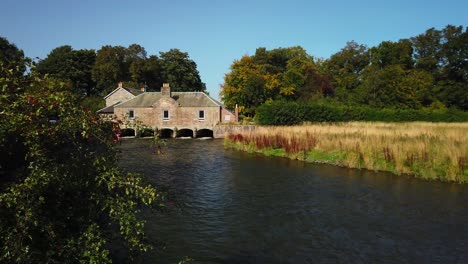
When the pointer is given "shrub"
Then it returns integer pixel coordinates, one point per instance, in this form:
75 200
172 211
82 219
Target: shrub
62 200
291 113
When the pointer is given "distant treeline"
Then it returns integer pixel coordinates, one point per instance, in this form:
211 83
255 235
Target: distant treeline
291 113
428 71
90 72
98 72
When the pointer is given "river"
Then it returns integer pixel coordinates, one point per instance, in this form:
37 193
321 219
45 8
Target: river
235 207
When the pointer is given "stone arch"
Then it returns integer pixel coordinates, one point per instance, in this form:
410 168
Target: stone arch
204 132
184 132
165 133
127 132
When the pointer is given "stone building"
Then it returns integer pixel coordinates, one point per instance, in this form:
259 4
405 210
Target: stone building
188 114
119 95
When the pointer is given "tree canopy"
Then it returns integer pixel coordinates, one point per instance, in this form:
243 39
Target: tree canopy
11 57
96 73
426 71
180 71
136 69
284 73
70 65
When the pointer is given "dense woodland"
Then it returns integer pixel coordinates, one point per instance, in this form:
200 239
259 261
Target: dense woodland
428 71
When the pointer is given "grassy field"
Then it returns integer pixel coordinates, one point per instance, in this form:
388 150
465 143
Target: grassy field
425 150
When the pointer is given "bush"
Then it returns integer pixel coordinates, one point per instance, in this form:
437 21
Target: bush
146 132
62 197
291 113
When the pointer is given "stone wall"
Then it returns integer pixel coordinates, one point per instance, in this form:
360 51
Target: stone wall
227 116
180 117
121 95
221 131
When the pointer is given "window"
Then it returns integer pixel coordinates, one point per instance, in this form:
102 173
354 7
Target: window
227 118
131 114
201 115
166 115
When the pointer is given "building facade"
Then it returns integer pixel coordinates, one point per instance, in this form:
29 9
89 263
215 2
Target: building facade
174 111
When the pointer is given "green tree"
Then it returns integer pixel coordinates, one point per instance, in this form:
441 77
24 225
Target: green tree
244 86
11 57
283 73
135 61
72 66
62 198
389 87
427 51
393 53
110 68
180 71
152 73
346 67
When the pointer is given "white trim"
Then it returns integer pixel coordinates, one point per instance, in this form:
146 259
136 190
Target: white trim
201 111
168 115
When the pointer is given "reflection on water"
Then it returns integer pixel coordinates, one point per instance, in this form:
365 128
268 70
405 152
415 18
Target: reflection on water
235 207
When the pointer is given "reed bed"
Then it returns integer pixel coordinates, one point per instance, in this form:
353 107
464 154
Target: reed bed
425 150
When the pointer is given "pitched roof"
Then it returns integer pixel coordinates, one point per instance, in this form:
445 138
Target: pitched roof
107 109
185 99
133 91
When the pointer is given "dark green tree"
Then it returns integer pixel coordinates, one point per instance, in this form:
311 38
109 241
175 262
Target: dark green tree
346 67
110 68
427 51
393 53
11 57
444 54
180 71
74 66
152 73
388 88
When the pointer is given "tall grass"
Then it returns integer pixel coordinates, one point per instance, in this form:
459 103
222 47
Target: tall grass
426 150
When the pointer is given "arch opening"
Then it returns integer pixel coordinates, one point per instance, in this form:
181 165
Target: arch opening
184 133
204 133
127 132
165 133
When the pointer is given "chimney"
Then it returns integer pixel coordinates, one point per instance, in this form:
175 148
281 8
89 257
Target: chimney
143 88
166 90
236 113
120 85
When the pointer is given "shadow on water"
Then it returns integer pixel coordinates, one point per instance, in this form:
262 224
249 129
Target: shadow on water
235 207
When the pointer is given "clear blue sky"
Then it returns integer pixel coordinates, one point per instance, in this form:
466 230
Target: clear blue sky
215 33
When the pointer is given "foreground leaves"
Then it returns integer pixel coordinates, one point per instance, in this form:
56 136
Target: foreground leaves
62 199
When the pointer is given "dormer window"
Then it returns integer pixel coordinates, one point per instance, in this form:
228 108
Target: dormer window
166 115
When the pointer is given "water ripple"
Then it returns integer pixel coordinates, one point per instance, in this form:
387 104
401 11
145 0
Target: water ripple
236 207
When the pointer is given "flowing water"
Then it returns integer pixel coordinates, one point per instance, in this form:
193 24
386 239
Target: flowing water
235 207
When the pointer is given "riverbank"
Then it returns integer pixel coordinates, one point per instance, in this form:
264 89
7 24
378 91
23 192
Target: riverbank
436 151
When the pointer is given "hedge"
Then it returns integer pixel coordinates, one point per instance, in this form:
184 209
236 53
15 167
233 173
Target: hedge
291 113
